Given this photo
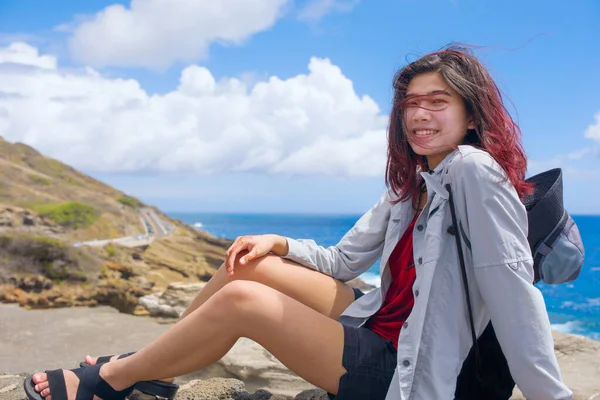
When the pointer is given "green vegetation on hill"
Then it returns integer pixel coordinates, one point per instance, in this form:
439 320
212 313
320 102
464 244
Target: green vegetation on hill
110 250
129 201
72 214
32 254
85 207
40 180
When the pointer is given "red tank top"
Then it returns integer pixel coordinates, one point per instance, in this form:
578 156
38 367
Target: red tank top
399 299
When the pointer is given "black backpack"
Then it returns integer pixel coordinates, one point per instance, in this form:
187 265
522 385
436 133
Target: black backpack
558 255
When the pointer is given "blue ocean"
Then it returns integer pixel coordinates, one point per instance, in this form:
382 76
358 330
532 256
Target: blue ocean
573 307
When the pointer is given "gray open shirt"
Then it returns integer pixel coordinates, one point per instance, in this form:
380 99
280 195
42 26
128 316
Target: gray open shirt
436 339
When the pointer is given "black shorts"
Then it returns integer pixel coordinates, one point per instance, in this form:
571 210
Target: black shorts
370 362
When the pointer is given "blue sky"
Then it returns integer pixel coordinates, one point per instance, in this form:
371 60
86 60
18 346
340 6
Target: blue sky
280 105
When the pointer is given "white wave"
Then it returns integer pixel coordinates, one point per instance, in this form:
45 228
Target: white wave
567 327
197 225
593 302
576 328
371 279
586 305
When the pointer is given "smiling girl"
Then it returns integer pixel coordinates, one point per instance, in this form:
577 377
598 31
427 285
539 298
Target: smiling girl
409 338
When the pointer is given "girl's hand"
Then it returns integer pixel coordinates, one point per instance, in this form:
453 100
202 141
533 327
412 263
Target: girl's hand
256 246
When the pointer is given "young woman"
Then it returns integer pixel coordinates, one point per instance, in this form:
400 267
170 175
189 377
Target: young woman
410 337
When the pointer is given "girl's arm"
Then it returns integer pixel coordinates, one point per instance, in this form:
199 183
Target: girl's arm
360 247
496 224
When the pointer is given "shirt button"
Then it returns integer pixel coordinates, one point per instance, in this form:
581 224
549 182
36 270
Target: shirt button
406 363
420 260
420 228
417 293
405 326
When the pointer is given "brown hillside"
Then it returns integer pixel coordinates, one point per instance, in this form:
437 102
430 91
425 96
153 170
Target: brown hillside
46 206
31 180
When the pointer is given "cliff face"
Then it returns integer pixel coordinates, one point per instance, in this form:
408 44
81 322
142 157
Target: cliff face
48 212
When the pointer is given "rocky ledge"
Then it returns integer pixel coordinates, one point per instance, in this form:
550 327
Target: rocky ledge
11 388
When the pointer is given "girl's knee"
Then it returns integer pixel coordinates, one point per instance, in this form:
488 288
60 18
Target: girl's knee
241 293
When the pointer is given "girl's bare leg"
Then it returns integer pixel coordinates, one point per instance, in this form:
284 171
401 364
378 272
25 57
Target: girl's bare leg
306 341
318 291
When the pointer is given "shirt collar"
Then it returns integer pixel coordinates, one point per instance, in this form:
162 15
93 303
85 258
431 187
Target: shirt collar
433 179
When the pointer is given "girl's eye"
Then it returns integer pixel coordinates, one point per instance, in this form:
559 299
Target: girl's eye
438 101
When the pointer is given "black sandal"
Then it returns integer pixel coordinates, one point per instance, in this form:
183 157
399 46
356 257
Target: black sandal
156 388
90 384
105 359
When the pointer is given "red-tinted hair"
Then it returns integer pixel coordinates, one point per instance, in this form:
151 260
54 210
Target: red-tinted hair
495 130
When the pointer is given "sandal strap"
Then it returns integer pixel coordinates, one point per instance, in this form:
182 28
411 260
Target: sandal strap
104 359
57 384
91 383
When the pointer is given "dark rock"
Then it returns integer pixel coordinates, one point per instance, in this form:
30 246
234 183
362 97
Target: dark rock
260 394
35 283
313 394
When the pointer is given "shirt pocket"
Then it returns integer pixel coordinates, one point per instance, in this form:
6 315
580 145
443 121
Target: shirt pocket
436 231
394 221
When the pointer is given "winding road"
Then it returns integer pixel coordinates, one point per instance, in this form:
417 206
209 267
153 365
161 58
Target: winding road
154 228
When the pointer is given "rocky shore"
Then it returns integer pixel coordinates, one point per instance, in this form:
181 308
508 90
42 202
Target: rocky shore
47 339
579 359
209 389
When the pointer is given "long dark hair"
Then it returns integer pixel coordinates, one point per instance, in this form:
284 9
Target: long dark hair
495 131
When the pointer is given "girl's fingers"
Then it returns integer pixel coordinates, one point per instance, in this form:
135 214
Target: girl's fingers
248 257
231 253
243 245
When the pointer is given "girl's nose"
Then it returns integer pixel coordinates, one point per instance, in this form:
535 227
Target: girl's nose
420 114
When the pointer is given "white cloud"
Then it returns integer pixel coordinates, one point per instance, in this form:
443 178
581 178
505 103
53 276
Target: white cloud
157 33
312 123
572 163
24 54
593 131
317 9
570 171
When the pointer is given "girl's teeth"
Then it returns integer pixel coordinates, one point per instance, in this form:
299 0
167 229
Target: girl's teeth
424 133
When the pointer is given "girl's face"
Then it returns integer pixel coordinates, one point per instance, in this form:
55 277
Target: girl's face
435 117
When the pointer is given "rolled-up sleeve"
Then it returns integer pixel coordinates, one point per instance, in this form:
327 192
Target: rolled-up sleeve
496 225
360 247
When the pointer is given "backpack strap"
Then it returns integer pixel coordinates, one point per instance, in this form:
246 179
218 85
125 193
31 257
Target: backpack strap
461 258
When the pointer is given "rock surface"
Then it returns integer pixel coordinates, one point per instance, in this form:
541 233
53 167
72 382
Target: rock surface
11 388
173 301
249 361
69 334
21 220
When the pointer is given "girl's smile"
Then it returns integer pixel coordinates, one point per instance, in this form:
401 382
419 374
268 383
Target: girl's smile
435 117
